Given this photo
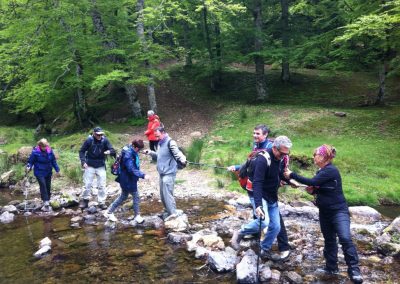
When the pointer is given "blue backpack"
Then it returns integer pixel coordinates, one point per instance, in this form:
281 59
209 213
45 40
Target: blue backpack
116 167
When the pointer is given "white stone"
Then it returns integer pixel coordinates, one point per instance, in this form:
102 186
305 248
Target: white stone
42 251
6 217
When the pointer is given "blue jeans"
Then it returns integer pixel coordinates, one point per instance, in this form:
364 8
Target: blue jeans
282 238
336 223
271 221
45 187
122 197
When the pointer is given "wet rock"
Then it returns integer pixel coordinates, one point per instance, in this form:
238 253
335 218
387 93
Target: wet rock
92 210
6 217
364 214
197 239
69 238
222 261
266 274
394 226
178 237
76 219
9 209
374 259
89 217
42 252
177 223
45 242
75 226
246 269
212 242
14 202
389 249
294 278
153 222
201 252
388 260
55 204
134 253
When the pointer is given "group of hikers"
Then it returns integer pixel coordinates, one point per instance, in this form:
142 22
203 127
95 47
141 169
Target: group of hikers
265 170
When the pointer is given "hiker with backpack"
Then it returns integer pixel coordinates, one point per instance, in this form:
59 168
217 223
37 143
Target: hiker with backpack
154 122
43 160
92 155
334 216
268 173
261 143
168 157
128 177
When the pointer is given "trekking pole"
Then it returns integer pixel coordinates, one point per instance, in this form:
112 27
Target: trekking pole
206 165
259 247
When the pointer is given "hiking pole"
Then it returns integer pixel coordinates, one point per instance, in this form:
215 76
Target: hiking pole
206 165
259 246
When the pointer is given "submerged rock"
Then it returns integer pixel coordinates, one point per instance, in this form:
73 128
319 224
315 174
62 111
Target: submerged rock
179 237
134 252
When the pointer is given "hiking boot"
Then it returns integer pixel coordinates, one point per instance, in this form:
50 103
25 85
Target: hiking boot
236 238
110 216
282 256
265 254
84 203
327 271
103 206
138 219
45 208
355 276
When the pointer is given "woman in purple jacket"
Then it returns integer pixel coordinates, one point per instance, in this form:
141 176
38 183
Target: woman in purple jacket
334 216
43 161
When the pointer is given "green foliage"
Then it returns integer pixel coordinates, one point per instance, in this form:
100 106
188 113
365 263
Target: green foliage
193 153
137 121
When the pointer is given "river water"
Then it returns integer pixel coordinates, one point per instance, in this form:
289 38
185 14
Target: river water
94 254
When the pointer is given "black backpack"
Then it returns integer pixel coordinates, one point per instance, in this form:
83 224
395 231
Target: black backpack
116 167
180 165
247 169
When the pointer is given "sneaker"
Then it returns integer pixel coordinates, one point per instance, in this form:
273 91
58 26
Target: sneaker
84 203
110 216
355 276
282 256
265 254
45 208
236 238
138 219
103 206
327 271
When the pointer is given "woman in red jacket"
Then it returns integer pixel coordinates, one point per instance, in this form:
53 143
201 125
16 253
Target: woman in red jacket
154 122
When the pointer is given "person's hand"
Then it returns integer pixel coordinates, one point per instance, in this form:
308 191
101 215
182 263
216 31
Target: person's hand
260 212
231 168
287 173
85 166
58 174
146 176
108 152
310 190
27 169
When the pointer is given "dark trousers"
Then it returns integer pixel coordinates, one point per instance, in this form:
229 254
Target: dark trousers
153 145
282 238
45 187
336 223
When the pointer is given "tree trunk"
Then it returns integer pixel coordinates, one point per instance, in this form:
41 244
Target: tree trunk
207 38
133 100
140 32
382 84
187 44
218 69
130 90
80 106
261 86
285 74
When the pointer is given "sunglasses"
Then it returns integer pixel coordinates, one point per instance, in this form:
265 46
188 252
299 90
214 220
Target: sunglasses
283 153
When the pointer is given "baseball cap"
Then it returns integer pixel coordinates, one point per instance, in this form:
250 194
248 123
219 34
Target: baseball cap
98 130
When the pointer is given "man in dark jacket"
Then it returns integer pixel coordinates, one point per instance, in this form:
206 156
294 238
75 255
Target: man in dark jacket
92 155
268 173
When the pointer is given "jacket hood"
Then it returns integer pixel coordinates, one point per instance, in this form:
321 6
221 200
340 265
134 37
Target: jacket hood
153 117
48 149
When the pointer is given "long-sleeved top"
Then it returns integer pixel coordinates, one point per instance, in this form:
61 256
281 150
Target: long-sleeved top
92 151
328 184
130 170
154 122
43 162
166 162
267 179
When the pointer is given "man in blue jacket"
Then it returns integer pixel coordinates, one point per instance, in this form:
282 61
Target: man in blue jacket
92 155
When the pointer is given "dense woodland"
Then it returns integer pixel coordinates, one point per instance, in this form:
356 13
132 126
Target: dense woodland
74 53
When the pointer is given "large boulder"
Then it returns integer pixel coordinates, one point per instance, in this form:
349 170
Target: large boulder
246 269
9 208
23 154
394 226
6 178
364 214
6 217
197 239
222 261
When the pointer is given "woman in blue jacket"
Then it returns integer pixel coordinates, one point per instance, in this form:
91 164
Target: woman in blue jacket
43 161
128 179
334 216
